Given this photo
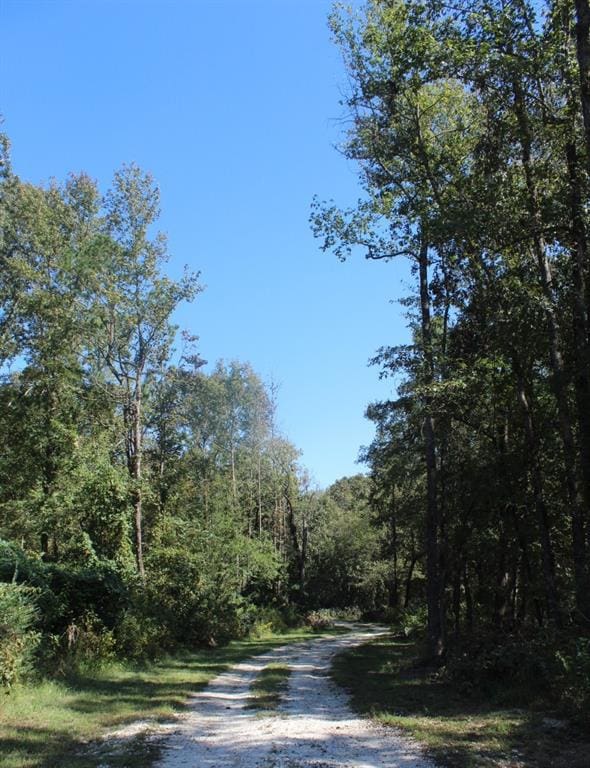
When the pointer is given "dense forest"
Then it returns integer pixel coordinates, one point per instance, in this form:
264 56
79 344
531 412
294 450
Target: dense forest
470 126
148 500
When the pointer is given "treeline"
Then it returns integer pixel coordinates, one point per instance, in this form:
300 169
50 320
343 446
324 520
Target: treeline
470 124
145 502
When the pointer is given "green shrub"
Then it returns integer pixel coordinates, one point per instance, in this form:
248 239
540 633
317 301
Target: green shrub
485 663
552 669
17 567
292 616
413 620
349 613
572 681
65 592
140 636
196 604
87 644
267 620
320 619
98 589
18 639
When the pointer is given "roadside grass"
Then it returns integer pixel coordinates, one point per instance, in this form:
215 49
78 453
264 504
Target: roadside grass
59 723
268 688
457 730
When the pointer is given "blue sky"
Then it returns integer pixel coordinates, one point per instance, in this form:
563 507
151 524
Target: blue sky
233 106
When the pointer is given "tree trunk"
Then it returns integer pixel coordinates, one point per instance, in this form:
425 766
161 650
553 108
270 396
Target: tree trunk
526 573
457 597
137 495
583 55
558 379
548 558
259 491
299 545
468 599
502 586
303 561
581 307
409 577
234 482
394 585
434 588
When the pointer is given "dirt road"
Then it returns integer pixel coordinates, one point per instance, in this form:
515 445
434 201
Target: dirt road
314 727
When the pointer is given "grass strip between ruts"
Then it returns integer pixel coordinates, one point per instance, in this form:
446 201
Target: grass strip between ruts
268 688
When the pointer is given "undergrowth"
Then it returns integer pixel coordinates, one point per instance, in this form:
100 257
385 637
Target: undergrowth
460 726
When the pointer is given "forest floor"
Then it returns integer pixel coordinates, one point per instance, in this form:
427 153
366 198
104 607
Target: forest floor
458 728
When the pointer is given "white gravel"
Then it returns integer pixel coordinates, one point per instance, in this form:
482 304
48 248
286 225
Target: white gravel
314 728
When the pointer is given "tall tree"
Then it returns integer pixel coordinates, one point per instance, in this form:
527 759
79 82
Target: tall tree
134 304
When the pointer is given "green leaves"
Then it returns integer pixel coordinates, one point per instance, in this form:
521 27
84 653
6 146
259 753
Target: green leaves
467 126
